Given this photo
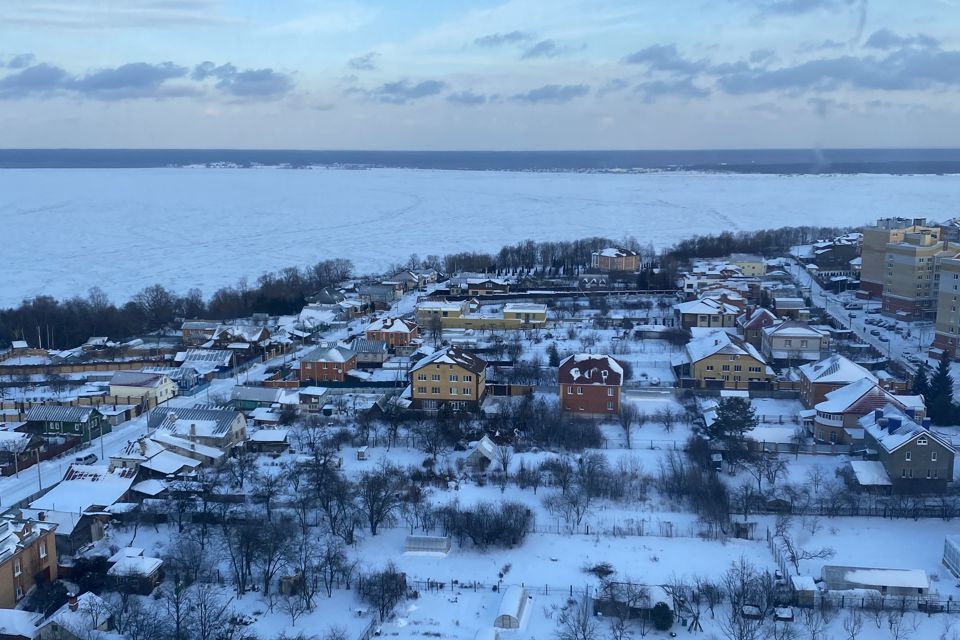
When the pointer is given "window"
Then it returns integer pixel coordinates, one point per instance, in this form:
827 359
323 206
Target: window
933 456
725 367
803 343
609 406
922 441
579 391
434 389
435 377
16 567
422 377
43 549
788 343
468 378
928 474
903 473
466 391
453 391
610 391
709 367
936 474
454 378
910 473
19 591
909 456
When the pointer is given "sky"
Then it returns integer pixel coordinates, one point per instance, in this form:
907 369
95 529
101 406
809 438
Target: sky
479 74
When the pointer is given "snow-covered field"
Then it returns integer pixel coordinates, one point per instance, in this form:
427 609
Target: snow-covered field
122 229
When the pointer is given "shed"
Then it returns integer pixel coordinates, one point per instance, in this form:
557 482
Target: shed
889 582
804 590
512 606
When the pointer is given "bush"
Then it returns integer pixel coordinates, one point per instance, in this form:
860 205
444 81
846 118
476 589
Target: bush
661 616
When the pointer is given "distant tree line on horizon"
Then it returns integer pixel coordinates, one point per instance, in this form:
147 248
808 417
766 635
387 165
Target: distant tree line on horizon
53 323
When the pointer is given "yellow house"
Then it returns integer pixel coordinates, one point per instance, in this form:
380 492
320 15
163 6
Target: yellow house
451 377
718 360
461 315
143 385
750 265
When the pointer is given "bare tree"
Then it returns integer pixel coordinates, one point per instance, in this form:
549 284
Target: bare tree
573 505
504 455
576 623
379 495
627 417
853 624
383 589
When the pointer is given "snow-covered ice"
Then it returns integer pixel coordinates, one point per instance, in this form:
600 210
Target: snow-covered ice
122 229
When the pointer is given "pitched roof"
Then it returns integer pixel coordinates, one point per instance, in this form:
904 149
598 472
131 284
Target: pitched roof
453 355
365 345
720 342
255 394
893 428
588 369
835 370
756 319
85 486
706 306
137 379
859 397
329 352
615 252
793 329
50 413
392 325
209 422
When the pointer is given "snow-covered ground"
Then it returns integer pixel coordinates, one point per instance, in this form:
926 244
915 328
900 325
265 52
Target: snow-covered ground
123 229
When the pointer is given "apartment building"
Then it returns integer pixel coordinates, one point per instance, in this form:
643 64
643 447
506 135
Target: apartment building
947 326
874 249
912 277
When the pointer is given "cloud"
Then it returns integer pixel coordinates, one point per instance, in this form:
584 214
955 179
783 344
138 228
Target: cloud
38 80
552 94
685 88
133 80
798 7
467 98
366 62
403 91
886 39
904 70
248 83
761 56
823 106
19 61
114 14
665 57
500 39
543 49
612 86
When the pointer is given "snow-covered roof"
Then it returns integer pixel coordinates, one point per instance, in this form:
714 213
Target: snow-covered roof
329 352
91 613
756 319
870 473
720 342
442 305
185 445
50 413
187 421
14 441
167 463
138 379
904 578
892 429
86 486
615 252
863 396
150 488
389 324
791 329
270 435
135 566
255 394
706 306
835 369
453 355
590 368
15 622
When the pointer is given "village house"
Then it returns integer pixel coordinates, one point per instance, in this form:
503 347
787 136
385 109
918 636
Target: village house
329 362
28 553
790 307
590 384
615 259
245 341
155 388
85 616
718 360
817 379
208 363
837 418
248 397
370 353
197 332
460 315
917 459
793 342
270 441
378 296
152 460
449 377
131 571
211 427
749 264
19 624
85 423
396 332
752 322
706 312
313 399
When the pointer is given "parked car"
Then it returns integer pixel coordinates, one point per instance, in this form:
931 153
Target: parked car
873 310
884 339
89 458
875 332
853 305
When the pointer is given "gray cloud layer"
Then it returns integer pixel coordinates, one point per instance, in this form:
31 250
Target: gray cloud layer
552 94
500 39
366 62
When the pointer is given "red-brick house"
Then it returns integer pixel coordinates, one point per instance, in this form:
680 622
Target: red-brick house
590 384
329 362
396 332
752 323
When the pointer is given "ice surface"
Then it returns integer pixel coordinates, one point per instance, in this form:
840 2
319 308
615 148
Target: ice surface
122 229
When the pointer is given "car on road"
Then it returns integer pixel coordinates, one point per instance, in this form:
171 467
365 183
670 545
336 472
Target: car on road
875 332
873 310
884 339
853 305
90 458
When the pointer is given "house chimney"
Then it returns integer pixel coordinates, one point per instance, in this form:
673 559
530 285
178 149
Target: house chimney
193 428
911 413
72 601
893 424
41 516
877 414
926 423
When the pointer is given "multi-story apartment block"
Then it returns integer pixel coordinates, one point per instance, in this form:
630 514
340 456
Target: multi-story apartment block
947 326
874 249
912 276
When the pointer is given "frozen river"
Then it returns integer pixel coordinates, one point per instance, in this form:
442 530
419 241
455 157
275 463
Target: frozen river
66 230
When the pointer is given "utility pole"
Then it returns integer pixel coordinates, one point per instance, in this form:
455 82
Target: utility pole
39 477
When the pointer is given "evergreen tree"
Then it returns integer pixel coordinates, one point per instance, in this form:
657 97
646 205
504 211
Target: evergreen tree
735 416
553 355
921 386
940 405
